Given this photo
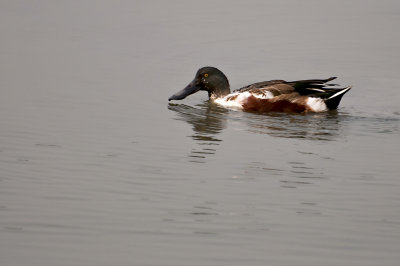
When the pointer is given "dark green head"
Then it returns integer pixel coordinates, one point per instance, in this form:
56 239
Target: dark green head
208 79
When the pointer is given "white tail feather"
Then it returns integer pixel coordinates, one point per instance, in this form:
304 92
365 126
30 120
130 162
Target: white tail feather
340 92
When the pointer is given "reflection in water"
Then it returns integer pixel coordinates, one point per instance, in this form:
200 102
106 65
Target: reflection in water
208 120
326 126
315 126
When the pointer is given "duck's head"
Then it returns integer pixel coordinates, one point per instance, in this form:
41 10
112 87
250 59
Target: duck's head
208 79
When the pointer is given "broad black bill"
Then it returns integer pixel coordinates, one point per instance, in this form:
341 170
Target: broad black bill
189 89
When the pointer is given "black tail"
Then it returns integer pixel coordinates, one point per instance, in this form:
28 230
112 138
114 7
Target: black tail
332 102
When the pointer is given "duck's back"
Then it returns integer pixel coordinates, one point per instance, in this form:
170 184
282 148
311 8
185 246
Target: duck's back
283 96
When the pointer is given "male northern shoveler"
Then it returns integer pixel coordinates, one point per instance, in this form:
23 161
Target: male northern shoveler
268 96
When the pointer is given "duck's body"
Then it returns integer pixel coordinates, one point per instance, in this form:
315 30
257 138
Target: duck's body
313 95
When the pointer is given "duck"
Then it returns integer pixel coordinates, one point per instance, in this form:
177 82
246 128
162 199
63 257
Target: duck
300 96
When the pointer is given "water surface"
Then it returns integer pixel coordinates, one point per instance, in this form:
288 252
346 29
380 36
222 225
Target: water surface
97 168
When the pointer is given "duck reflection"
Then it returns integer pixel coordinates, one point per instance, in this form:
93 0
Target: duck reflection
207 120
317 126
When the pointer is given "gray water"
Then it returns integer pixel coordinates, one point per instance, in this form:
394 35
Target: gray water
97 168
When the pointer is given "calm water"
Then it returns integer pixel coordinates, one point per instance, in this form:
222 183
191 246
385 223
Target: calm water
97 168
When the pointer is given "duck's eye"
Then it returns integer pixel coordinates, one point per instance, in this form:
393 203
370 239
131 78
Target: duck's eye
205 75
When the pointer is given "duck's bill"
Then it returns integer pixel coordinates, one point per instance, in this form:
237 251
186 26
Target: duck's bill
189 89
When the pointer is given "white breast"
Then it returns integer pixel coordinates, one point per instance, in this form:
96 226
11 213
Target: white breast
236 99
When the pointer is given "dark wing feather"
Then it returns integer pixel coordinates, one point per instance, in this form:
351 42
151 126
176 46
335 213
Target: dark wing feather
309 87
312 86
261 85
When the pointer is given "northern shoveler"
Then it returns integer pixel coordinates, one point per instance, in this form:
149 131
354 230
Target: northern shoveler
311 95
